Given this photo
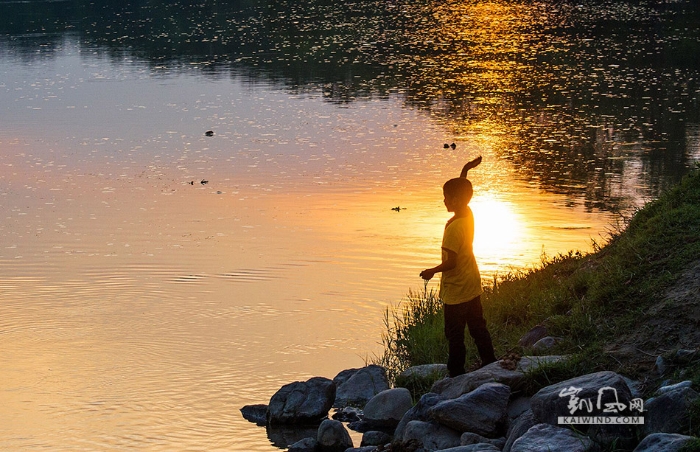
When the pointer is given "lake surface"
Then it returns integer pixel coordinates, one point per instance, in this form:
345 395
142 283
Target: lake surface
156 279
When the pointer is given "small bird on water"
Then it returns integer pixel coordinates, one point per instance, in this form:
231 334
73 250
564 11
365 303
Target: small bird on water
209 133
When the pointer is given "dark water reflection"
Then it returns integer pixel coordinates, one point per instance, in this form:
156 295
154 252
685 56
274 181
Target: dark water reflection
582 96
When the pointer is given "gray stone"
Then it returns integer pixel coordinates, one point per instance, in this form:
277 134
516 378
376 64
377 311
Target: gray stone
661 365
545 437
544 344
419 412
517 406
375 438
483 447
302 402
469 438
669 412
431 436
518 428
305 445
481 411
663 442
452 388
357 386
669 388
388 407
332 437
592 394
255 413
532 336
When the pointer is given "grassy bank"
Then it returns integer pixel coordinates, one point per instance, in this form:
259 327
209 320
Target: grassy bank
608 307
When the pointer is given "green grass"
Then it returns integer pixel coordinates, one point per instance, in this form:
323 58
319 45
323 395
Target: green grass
584 299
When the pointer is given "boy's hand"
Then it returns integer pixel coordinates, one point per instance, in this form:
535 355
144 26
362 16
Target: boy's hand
427 274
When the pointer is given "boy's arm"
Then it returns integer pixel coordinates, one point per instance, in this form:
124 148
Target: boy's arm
473 164
447 264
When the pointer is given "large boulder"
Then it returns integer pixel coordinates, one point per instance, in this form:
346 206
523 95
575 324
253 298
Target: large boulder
482 411
430 436
669 412
304 445
469 438
545 437
518 428
419 412
451 388
356 387
332 437
302 402
663 442
388 407
585 395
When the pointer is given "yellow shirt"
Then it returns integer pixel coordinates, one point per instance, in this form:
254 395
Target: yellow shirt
462 283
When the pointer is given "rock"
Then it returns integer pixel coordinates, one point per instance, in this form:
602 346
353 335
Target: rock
669 412
482 411
591 393
517 406
661 365
388 407
282 435
532 336
518 428
544 344
255 413
685 356
302 402
347 414
669 388
482 447
431 436
357 386
332 437
305 445
469 438
362 449
452 388
545 437
663 442
425 371
375 438
418 413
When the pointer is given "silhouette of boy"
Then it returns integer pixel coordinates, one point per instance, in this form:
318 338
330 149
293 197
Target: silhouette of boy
460 285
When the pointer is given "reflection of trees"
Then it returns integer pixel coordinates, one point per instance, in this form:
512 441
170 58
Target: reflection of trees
574 93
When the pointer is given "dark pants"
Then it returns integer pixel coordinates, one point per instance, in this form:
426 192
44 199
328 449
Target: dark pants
457 316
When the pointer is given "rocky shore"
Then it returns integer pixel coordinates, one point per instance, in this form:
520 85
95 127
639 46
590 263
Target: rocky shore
484 410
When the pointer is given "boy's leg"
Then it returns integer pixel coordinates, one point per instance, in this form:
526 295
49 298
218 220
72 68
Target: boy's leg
479 332
455 322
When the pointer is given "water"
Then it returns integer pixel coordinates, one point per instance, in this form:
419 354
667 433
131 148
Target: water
141 308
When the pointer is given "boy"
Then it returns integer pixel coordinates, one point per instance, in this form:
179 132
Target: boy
460 285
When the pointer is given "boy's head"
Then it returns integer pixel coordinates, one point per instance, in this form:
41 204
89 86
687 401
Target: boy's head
458 192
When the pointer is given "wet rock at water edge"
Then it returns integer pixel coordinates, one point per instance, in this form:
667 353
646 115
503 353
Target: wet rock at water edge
255 413
304 445
332 437
302 402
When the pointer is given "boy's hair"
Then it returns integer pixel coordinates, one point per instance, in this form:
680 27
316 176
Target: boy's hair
460 188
